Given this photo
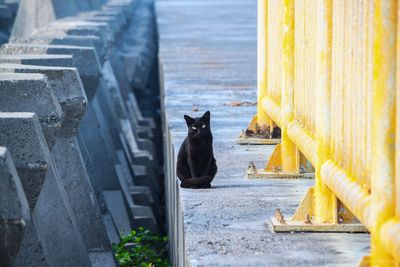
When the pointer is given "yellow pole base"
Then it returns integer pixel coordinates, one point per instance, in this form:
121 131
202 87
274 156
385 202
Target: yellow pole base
262 174
302 220
255 135
273 169
364 261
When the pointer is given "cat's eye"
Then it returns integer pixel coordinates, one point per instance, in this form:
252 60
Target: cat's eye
203 126
194 127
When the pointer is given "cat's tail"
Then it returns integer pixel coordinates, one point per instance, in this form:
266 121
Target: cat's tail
190 182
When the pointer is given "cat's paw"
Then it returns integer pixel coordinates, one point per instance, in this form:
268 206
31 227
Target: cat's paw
203 186
184 185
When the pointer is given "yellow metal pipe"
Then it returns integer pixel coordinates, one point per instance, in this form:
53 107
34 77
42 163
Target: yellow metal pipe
383 125
289 154
390 236
325 208
273 110
352 195
262 33
304 140
397 163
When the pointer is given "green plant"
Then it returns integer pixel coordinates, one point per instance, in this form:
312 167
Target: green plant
141 248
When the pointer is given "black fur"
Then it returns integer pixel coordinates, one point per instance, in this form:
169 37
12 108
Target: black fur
196 165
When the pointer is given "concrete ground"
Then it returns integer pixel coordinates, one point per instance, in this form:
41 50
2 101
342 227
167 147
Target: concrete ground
208 56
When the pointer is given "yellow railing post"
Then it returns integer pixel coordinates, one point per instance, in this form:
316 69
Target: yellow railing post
397 163
290 159
345 125
325 207
261 127
262 28
383 126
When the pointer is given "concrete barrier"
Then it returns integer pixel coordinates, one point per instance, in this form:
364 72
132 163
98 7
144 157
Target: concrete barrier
14 209
52 216
84 58
95 172
32 93
66 154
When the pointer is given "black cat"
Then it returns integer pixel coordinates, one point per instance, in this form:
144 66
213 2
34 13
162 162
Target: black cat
196 166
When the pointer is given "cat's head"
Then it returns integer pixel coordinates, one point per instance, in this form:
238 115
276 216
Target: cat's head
198 127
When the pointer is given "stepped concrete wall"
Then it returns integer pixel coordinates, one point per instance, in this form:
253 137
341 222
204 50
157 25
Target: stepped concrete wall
79 166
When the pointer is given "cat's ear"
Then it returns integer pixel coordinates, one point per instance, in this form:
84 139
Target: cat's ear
189 120
206 116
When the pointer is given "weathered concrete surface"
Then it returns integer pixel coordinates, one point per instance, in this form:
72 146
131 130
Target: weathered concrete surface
84 58
34 14
20 92
208 58
67 87
52 217
14 209
39 60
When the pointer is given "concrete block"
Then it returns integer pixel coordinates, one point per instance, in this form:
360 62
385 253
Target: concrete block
5 12
118 16
71 40
127 6
102 161
78 187
67 87
141 195
102 259
113 24
143 168
26 151
112 97
40 60
119 71
31 251
107 126
58 32
84 58
32 93
133 108
91 170
127 172
141 216
66 154
78 26
132 141
35 14
52 216
14 209
111 228
116 205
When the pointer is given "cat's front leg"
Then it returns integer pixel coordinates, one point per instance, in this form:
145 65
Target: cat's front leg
195 167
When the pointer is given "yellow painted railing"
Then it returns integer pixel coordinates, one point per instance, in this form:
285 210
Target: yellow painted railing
329 77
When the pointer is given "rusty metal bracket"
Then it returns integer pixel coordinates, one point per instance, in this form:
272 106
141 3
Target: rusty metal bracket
255 135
